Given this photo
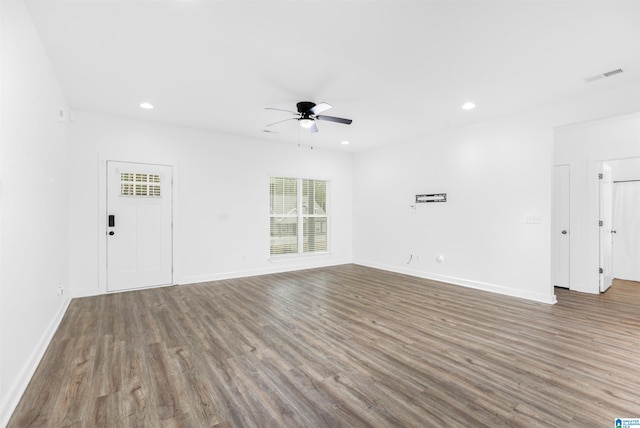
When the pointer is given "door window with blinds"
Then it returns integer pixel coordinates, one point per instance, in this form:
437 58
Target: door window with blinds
298 216
139 184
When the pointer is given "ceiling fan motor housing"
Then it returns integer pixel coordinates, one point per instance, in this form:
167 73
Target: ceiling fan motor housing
305 106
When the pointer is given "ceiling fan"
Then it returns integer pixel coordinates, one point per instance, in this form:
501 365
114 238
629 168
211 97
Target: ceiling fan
308 113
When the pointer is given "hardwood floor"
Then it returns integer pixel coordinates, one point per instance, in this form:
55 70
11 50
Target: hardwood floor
341 346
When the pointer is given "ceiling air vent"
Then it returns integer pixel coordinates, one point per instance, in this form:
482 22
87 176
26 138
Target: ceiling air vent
603 75
612 72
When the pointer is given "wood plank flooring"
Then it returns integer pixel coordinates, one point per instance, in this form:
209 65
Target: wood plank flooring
341 346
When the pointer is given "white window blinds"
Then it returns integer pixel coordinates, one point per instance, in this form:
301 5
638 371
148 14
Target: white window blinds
284 215
314 214
140 185
298 216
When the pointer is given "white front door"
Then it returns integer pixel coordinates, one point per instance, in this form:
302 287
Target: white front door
560 235
139 225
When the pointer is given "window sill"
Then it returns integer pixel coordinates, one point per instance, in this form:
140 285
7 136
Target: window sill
303 256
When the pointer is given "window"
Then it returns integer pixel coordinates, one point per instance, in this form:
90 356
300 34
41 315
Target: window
134 184
298 216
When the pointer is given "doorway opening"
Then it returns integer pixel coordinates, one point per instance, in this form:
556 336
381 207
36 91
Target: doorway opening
619 221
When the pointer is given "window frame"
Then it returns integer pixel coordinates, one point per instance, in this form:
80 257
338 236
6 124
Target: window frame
301 216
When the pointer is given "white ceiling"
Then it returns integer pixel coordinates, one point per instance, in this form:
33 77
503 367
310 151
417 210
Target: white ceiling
399 69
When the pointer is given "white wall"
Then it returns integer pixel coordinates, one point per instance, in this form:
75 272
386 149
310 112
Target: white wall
583 147
221 197
625 169
494 174
33 204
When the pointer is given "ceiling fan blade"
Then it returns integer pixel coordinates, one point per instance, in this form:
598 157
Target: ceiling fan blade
283 120
280 109
313 129
319 108
335 119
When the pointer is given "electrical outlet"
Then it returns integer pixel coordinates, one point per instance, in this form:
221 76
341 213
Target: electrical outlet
60 289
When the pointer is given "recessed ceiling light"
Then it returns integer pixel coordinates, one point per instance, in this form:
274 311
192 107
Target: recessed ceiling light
146 105
468 106
345 143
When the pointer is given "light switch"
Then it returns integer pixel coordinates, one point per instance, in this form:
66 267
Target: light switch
533 219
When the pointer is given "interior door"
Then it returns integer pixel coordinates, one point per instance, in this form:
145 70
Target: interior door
560 238
606 218
626 231
139 225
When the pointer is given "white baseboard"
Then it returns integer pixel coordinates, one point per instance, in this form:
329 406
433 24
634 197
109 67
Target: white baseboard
15 391
493 288
278 265
278 268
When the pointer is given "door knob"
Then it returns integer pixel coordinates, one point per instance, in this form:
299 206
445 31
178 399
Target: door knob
564 232
111 233
614 231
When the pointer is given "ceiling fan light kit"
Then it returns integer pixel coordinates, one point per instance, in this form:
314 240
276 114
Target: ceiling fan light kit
308 112
306 122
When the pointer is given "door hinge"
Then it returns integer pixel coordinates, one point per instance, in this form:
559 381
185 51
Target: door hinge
600 270
601 223
600 176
